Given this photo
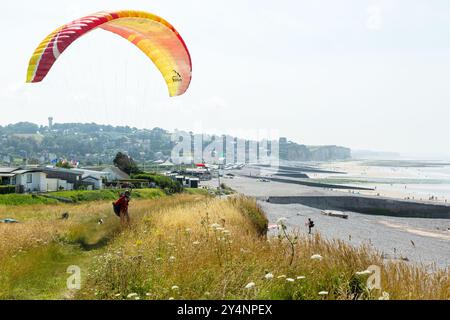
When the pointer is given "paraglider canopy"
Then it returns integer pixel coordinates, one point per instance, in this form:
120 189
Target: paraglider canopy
157 38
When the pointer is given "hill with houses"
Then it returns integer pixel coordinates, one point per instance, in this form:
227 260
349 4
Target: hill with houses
91 144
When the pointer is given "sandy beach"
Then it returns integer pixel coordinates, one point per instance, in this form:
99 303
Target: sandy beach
424 183
417 240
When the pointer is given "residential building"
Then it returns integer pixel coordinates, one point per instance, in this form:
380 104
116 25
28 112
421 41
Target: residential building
115 174
25 180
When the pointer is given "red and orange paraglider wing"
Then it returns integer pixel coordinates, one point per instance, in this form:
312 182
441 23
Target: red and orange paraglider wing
153 35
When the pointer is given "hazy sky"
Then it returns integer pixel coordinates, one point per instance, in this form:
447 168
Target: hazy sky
363 74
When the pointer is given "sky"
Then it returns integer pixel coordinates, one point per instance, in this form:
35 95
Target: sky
366 74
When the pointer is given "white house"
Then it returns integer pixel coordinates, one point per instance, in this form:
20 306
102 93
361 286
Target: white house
92 177
34 179
95 182
29 180
55 184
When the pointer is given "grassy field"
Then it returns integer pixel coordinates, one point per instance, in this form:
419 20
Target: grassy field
188 246
75 196
24 199
106 194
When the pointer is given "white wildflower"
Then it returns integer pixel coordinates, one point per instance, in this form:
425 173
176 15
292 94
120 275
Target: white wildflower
290 280
171 298
215 225
131 295
188 229
300 277
137 298
196 243
175 287
250 285
282 276
172 258
323 293
384 296
117 295
148 294
268 276
281 220
316 257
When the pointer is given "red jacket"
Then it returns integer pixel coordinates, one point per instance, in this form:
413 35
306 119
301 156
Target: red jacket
122 202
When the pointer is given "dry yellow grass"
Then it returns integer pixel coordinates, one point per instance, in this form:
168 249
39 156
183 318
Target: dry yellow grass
203 248
188 247
42 224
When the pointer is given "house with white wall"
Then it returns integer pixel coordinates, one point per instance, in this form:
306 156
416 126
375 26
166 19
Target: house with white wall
29 180
54 184
93 181
34 179
93 178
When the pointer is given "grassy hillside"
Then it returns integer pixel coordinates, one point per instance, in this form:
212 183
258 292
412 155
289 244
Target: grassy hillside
188 246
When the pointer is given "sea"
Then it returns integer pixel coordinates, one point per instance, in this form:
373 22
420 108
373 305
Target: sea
405 179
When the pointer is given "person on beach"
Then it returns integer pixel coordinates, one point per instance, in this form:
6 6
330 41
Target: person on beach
122 205
310 225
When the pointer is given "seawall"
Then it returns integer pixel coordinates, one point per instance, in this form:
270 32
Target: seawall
369 205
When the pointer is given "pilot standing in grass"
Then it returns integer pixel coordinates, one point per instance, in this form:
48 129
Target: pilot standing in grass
310 225
122 203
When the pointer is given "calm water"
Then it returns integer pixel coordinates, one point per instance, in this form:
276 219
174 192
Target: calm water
396 180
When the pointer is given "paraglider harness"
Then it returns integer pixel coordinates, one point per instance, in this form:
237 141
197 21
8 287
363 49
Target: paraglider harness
117 207
311 224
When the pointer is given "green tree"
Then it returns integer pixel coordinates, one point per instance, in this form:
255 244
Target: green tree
63 164
126 163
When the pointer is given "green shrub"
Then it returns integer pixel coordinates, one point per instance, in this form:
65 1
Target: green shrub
224 189
88 195
161 181
7 189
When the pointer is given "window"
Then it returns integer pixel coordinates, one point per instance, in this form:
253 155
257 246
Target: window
13 180
29 178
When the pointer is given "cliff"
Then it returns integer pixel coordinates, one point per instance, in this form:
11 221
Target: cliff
292 151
